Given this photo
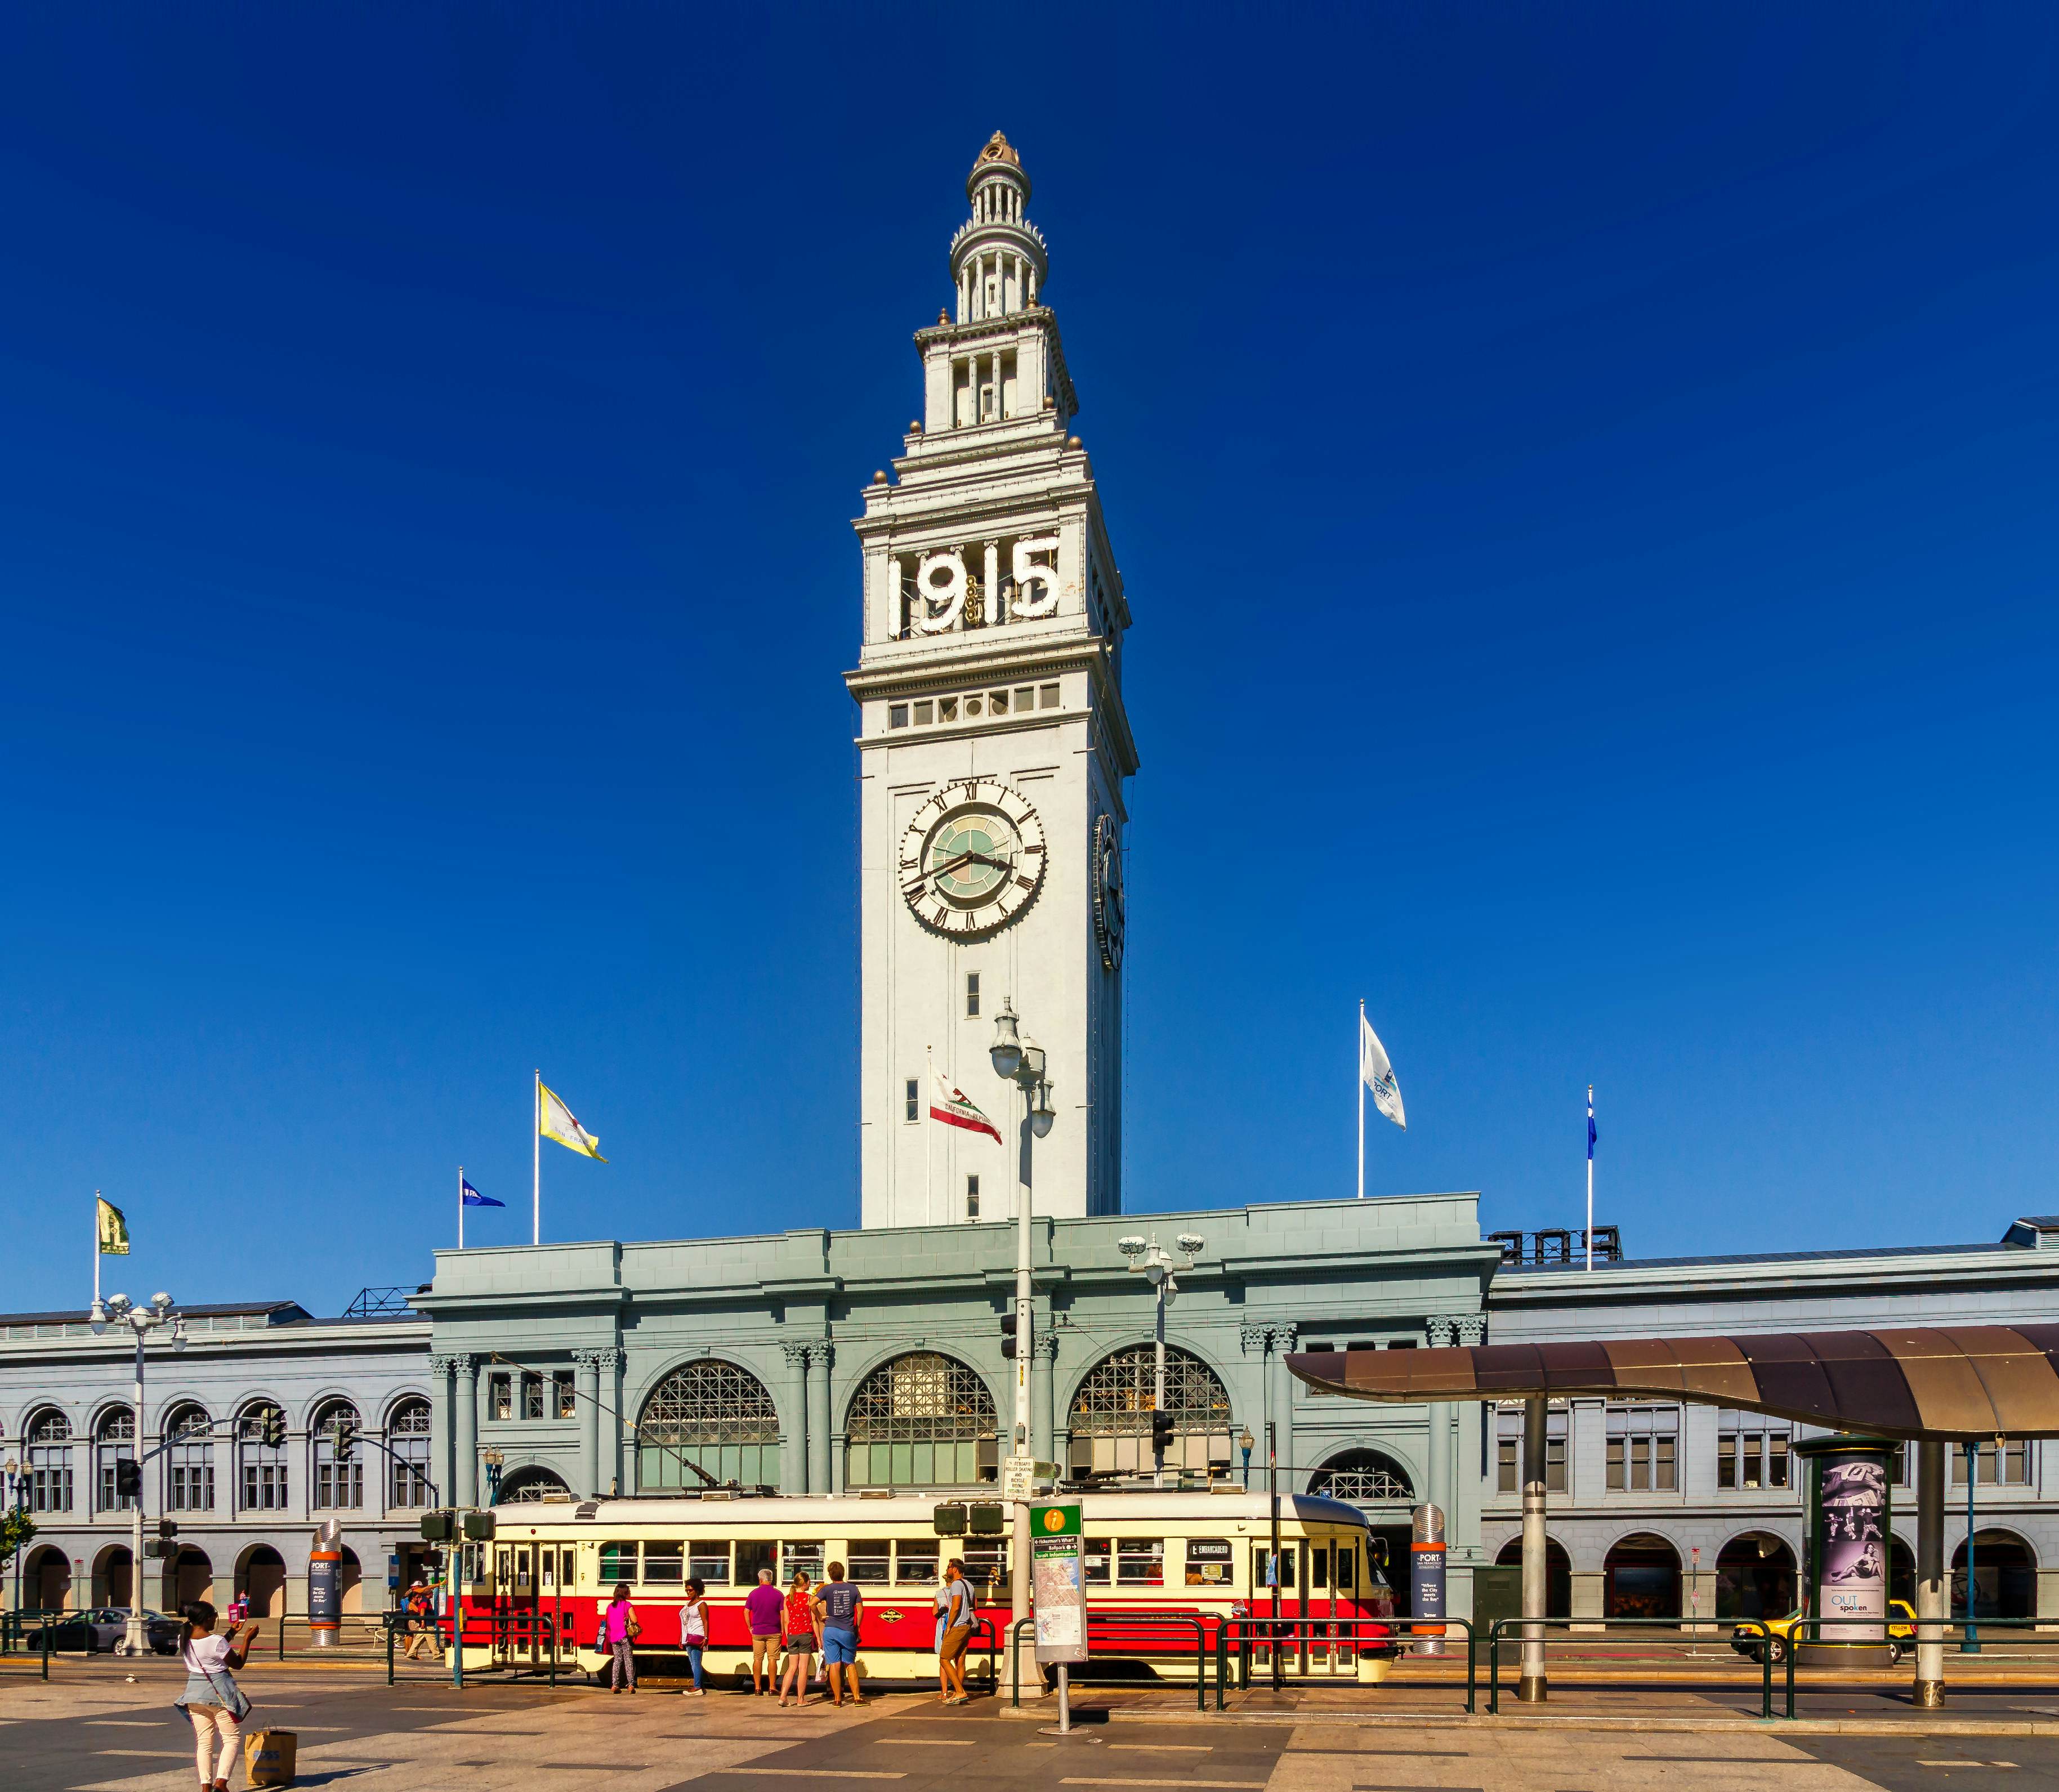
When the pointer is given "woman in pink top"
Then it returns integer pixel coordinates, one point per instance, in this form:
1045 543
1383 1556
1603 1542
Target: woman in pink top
619 1631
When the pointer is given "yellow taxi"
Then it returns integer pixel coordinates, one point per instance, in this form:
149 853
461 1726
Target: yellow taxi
1747 1640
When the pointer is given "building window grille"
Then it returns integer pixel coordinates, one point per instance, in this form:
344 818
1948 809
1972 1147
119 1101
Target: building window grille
1364 1476
500 1396
918 1421
711 1414
1752 1451
1508 1450
1643 1449
2010 1467
912 1101
263 1468
339 1485
1115 1403
190 1462
114 1441
532 1395
408 1438
972 995
50 1464
565 1401
972 1197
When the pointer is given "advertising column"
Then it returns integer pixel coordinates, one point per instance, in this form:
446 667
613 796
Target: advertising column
1847 1570
324 1587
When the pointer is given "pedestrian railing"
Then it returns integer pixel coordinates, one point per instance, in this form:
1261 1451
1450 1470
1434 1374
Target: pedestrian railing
1169 1623
1808 1632
1368 1636
1505 1631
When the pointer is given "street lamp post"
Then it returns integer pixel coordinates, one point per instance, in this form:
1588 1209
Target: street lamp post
120 1310
15 1485
1021 1061
1148 1257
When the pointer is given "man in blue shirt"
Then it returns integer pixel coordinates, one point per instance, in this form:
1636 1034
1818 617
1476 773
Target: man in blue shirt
840 1606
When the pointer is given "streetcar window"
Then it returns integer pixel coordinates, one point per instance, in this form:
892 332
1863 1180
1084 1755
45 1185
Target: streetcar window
1347 1567
1319 1567
915 1561
618 1562
664 1563
986 1561
751 1554
1261 1572
1094 1556
1140 1562
708 1561
870 1561
500 1569
800 1558
1208 1562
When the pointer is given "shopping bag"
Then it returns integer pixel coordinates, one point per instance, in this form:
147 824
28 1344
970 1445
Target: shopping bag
269 1756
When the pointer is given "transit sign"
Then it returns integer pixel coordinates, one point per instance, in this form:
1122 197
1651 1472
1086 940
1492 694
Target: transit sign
1057 1585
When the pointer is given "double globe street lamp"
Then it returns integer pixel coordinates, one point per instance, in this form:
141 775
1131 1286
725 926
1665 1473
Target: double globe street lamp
118 1309
1148 1257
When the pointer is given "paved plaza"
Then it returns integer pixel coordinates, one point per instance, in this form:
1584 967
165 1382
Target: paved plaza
91 1726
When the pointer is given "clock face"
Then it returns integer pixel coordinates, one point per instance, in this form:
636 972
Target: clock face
972 859
1110 902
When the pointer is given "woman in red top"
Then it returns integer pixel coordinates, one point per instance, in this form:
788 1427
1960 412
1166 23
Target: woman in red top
797 1636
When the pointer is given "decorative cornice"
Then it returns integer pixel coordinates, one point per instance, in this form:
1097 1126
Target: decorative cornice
453 1362
1273 1337
1045 1344
602 1360
797 1355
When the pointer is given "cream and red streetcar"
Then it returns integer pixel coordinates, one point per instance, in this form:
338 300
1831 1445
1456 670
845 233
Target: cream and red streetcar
552 1566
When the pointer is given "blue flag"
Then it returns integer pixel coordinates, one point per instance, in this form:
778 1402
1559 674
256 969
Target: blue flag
472 1197
1591 1135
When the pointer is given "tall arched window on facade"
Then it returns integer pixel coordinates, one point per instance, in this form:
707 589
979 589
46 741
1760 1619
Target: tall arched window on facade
261 1467
113 1441
1364 1477
918 1421
189 1461
527 1486
339 1483
408 1439
711 1414
1114 1404
49 1462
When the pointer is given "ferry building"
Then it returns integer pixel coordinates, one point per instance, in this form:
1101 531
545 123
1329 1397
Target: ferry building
996 753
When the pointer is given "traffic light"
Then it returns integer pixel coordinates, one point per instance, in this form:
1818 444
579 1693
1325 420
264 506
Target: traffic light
949 1520
439 1527
1008 1335
128 1480
479 1527
167 1528
272 1429
346 1438
1161 1433
986 1518
430 1561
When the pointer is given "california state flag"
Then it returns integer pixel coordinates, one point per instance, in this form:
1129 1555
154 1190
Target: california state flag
950 1105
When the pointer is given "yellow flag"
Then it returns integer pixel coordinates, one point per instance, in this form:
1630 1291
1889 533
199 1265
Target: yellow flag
555 1121
113 1228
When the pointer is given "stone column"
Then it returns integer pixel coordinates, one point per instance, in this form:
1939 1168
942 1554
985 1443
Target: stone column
1531 1688
794 1452
1043 1415
608 1425
586 1366
465 1442
819 1416
443 1435
1293 1472
1932 1594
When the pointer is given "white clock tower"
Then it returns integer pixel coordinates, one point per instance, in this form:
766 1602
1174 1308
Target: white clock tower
993 747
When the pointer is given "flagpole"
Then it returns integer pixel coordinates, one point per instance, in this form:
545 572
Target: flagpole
96 1247
1591 1178
536 1165
1358 1051
460 1207
929 1145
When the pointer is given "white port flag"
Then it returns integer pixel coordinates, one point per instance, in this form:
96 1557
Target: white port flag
1378 1074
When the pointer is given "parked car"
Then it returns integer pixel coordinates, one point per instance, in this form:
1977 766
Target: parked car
1748 1643
98 1630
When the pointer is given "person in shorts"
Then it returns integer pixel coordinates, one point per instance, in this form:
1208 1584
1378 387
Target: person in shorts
956 1621
797 1637
761 1608
839 1607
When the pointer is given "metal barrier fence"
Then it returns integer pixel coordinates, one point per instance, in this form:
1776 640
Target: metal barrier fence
1259 1630
1925 1630
1160 1621
1505 1630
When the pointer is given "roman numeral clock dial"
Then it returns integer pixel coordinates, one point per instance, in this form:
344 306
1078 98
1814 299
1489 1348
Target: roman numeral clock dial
972 859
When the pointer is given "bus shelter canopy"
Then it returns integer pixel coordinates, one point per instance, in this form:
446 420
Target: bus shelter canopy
1957 1383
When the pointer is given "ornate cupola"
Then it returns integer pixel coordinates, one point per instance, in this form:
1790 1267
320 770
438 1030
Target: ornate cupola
998 258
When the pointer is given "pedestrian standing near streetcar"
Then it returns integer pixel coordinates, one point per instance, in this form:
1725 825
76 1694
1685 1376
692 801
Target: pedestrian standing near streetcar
694 1635
797 1636
956 1621
838 1607
761 1607
620 1632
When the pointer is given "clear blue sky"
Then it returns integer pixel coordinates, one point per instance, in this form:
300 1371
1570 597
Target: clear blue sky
1585 478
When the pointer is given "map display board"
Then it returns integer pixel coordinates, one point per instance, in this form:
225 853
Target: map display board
1057 1589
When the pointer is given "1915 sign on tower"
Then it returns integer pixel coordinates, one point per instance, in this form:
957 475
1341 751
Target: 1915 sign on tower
994 747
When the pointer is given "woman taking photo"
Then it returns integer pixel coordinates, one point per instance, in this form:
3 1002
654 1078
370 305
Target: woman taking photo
797 1636
213 1699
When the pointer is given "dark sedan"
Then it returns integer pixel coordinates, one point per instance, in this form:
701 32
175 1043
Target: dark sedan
99 1631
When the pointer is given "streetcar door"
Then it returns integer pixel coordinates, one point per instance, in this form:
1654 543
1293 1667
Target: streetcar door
520 1596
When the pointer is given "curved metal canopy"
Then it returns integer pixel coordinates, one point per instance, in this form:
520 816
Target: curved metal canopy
1956 1382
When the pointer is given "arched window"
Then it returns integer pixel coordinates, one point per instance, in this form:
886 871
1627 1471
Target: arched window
526 1486
339 1480
113 1441
263 1466
407 1440
1115 1403
711 1414
918 1421
1364 1476
49 1462
1641 1578
189 1461
1558 1574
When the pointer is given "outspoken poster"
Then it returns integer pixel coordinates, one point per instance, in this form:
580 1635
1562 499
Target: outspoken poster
1853 1582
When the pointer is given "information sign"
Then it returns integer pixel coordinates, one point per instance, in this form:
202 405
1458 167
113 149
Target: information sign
1018 1477
1056 1587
